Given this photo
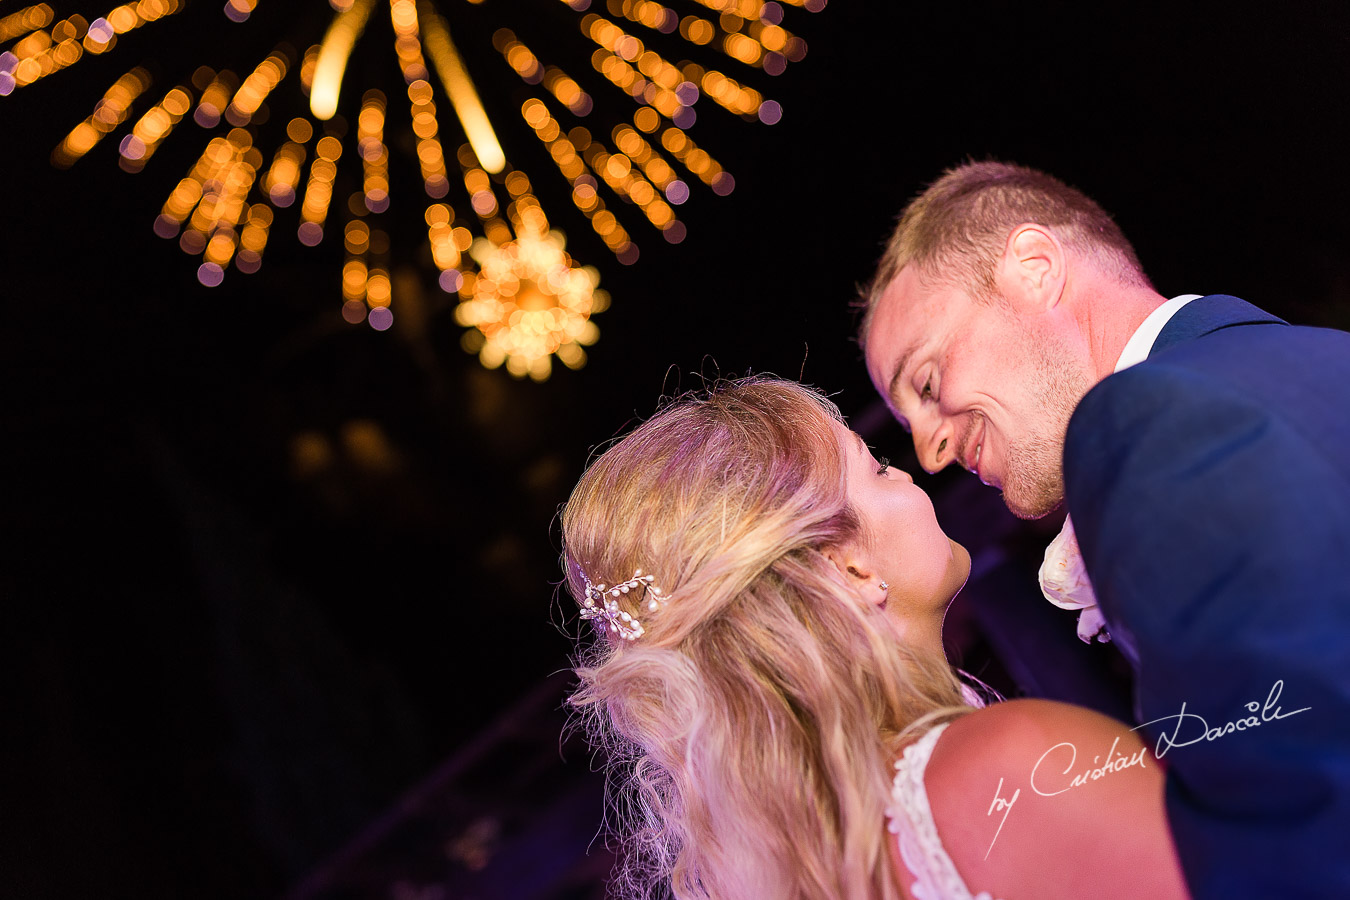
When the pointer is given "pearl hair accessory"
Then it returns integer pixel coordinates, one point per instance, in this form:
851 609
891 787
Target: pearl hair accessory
602 602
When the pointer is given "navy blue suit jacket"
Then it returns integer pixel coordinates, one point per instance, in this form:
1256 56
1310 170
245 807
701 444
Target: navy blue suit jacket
1209 487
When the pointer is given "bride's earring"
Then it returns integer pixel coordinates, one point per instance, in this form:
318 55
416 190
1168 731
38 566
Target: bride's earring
885 586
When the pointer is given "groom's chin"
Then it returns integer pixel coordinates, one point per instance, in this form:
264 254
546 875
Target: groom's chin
1032 514
1037 505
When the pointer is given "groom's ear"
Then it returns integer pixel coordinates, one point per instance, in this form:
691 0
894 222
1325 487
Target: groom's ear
1032 272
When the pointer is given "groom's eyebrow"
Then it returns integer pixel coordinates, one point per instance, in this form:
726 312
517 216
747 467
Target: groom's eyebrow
894 386
905 355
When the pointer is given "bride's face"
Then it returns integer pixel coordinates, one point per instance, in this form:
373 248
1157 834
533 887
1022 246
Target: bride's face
901 543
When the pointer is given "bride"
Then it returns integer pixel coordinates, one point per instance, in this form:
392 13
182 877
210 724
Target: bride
769 685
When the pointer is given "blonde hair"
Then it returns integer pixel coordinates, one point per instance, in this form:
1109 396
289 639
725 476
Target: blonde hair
749 730
955 231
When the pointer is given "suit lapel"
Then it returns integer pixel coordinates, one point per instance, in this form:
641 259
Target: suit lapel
1207 314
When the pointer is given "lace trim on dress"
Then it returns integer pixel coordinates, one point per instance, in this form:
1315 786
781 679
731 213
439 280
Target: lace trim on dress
910 819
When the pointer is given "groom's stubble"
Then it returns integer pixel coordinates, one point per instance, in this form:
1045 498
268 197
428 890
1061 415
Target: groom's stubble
1033 485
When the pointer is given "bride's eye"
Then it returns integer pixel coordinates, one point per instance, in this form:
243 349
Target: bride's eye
885 464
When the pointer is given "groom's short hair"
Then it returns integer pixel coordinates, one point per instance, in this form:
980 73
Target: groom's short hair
955 231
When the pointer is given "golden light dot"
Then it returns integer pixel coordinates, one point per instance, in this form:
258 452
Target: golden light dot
567 91
660 172
354 271
220 248
419 91
549 131
647 119
660 214
371 120
66 30
517 183
403 15
424 124
540 368
476 180
519 57
579 137
439 214
83 138
596 27
329 148
742 48
356 236
696 30
572 356
674 140
378 291
299 130
429 153
629 141
177 102
642 193
535 113
239 138
773 37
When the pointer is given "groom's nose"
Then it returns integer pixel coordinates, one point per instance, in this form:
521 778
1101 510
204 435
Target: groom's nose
934 441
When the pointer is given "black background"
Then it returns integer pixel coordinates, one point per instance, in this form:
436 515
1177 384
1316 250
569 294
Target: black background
219 666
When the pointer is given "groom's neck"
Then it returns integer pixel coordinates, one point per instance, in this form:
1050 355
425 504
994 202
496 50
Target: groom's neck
1107 313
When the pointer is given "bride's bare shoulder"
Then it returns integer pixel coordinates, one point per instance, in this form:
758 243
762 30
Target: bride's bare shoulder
1044 799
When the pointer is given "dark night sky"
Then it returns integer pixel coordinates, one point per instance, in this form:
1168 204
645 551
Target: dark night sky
188 610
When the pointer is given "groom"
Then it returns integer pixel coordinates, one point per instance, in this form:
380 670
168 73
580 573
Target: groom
1203 447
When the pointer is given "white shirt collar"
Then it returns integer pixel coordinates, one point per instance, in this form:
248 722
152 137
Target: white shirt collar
1141 342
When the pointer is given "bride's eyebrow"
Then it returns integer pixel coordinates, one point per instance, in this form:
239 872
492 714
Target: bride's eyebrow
862 445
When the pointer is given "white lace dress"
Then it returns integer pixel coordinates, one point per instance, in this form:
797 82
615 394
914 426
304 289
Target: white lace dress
910 819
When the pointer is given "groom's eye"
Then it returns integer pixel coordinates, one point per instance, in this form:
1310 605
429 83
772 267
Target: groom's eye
884 465
927 392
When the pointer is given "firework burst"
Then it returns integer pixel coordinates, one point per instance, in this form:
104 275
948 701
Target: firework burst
608 102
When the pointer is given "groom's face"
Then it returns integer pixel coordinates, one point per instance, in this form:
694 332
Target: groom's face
978 384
